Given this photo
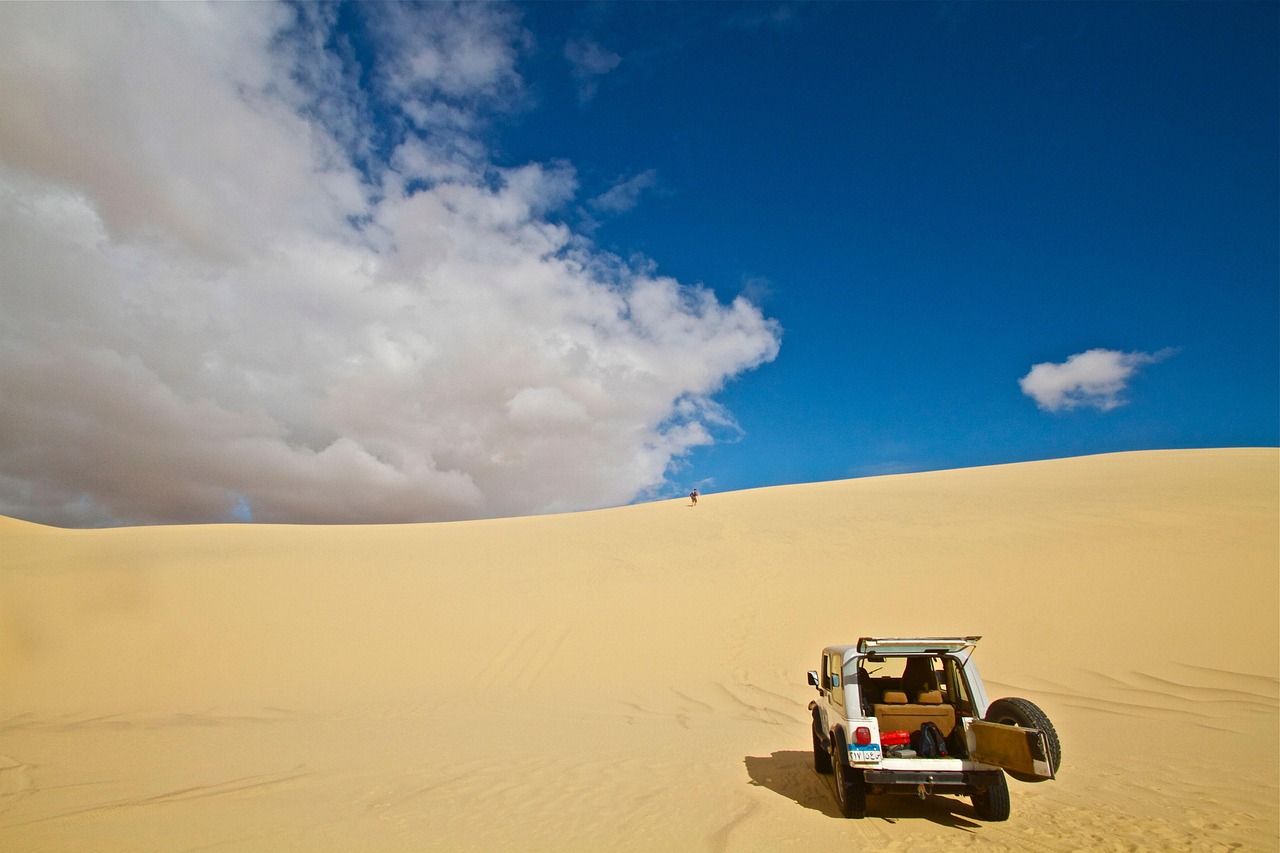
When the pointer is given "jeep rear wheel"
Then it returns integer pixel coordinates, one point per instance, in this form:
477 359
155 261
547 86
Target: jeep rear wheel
1026 715
851 785
992 803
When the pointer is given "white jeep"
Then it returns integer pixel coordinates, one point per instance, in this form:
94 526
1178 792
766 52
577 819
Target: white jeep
876 697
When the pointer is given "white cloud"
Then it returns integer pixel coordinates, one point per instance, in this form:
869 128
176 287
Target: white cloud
758 16
625 194
462 52
1096 378
218 302
588 61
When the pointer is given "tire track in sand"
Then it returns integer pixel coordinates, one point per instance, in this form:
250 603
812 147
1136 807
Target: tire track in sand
197 792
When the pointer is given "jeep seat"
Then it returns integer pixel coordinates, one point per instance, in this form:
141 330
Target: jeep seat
896 714
919 677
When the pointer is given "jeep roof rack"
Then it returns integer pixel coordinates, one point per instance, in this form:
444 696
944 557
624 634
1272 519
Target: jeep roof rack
916 645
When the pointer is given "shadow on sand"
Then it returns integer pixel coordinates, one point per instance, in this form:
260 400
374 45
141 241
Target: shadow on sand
791 774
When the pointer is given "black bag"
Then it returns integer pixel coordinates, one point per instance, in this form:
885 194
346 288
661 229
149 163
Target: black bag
928 742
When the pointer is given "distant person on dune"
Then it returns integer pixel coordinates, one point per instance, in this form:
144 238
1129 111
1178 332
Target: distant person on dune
693 496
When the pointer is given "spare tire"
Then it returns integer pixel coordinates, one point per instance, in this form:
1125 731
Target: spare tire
1026 715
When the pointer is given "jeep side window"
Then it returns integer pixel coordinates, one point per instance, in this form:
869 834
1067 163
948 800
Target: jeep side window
957 689
832 676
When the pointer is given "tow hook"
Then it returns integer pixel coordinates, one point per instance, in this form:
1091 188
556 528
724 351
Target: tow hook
924 789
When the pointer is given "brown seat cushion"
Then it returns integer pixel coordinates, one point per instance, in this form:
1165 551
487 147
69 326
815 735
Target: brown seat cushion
930 697
895 697
910 717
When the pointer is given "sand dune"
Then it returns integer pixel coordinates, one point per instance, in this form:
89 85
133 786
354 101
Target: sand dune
633 679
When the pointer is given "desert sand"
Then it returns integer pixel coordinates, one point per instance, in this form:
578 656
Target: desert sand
634 679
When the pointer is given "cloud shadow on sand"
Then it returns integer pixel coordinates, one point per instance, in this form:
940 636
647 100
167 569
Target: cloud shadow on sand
791 774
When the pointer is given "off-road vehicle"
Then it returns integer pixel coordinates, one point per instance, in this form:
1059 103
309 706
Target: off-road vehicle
911 715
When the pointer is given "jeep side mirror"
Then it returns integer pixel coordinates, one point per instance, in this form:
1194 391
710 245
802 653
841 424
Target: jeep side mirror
813 678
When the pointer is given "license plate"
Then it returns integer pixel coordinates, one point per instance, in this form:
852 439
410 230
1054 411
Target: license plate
860 754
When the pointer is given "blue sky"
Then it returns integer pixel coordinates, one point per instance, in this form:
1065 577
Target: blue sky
938 196
378 262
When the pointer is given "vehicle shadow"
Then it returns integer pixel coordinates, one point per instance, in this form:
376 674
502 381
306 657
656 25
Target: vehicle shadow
791 774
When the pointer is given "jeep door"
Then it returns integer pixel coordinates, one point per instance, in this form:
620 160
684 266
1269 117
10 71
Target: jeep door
1023 751
830 704
834 681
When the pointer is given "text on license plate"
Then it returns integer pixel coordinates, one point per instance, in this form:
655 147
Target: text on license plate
867 752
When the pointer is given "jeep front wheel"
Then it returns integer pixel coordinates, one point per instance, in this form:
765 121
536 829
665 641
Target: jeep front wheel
821 758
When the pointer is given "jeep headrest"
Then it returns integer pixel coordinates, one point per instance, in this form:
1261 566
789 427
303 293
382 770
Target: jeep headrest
930 697
895 697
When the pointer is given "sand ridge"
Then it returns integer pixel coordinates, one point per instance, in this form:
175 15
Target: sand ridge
633 679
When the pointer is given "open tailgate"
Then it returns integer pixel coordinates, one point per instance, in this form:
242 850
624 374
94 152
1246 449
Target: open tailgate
1013 748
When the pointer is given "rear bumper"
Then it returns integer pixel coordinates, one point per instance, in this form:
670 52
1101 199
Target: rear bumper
941 781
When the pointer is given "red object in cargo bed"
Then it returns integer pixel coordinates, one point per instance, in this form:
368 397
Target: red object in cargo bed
895 738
